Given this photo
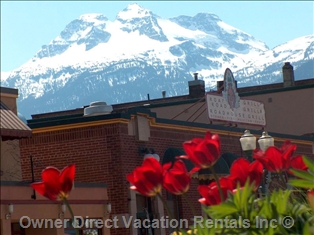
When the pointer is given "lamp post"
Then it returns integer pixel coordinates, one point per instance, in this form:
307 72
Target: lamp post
154 155
248 145
265 141
149 152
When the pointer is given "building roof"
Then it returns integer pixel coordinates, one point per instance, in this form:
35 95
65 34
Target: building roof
8 90
184 99
12 127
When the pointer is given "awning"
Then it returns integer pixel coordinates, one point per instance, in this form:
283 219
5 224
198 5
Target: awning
171 154
222 166
12 127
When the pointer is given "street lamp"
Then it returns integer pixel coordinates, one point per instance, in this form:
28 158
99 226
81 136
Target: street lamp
248 144
265 141
149 152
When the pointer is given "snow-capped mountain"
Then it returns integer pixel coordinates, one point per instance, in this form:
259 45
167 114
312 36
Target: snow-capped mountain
139 52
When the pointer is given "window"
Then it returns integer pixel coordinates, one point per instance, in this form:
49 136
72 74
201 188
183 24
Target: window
83 230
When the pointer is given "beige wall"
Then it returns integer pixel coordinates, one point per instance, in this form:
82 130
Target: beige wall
20 197
10 161
10 101
287 112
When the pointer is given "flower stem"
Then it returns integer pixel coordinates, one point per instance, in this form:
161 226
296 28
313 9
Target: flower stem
168 211
218 184
165 205
189 203
72 214
282 179
192 209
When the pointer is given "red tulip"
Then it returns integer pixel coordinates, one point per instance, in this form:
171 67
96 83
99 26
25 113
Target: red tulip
242 169
276 159
298 163
56 185
211 194
176 179
147 179
204 153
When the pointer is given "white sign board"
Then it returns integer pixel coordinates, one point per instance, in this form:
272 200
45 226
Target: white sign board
249 112
228 106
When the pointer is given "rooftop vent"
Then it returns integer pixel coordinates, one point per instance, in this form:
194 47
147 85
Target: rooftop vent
163 94
97 108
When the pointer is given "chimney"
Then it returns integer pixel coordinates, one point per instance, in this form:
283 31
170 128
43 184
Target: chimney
288 75
220 86
163 94
196 87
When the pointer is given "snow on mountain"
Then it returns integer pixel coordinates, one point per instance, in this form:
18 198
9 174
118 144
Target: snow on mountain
267 66
4 76
136 18
94 58
133 11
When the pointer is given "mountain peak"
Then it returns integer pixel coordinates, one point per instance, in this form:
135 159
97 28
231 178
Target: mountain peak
93 17
133 11
208 16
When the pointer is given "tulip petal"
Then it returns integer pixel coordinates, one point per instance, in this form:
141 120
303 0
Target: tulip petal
298 163
147 179
239 170
67 176
130 178
166 166
50 177
39 187
50 174
176 179
194 170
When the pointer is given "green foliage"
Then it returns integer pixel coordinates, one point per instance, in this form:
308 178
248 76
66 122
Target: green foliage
306 178
281 212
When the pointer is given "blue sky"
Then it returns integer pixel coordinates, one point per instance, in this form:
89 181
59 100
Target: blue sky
26 25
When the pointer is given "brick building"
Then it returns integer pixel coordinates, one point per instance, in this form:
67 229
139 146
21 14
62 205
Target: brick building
19 203
106 148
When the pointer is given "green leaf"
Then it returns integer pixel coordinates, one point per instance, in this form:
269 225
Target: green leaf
303 174
281 200
222 210
308 229
309 163
302 183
